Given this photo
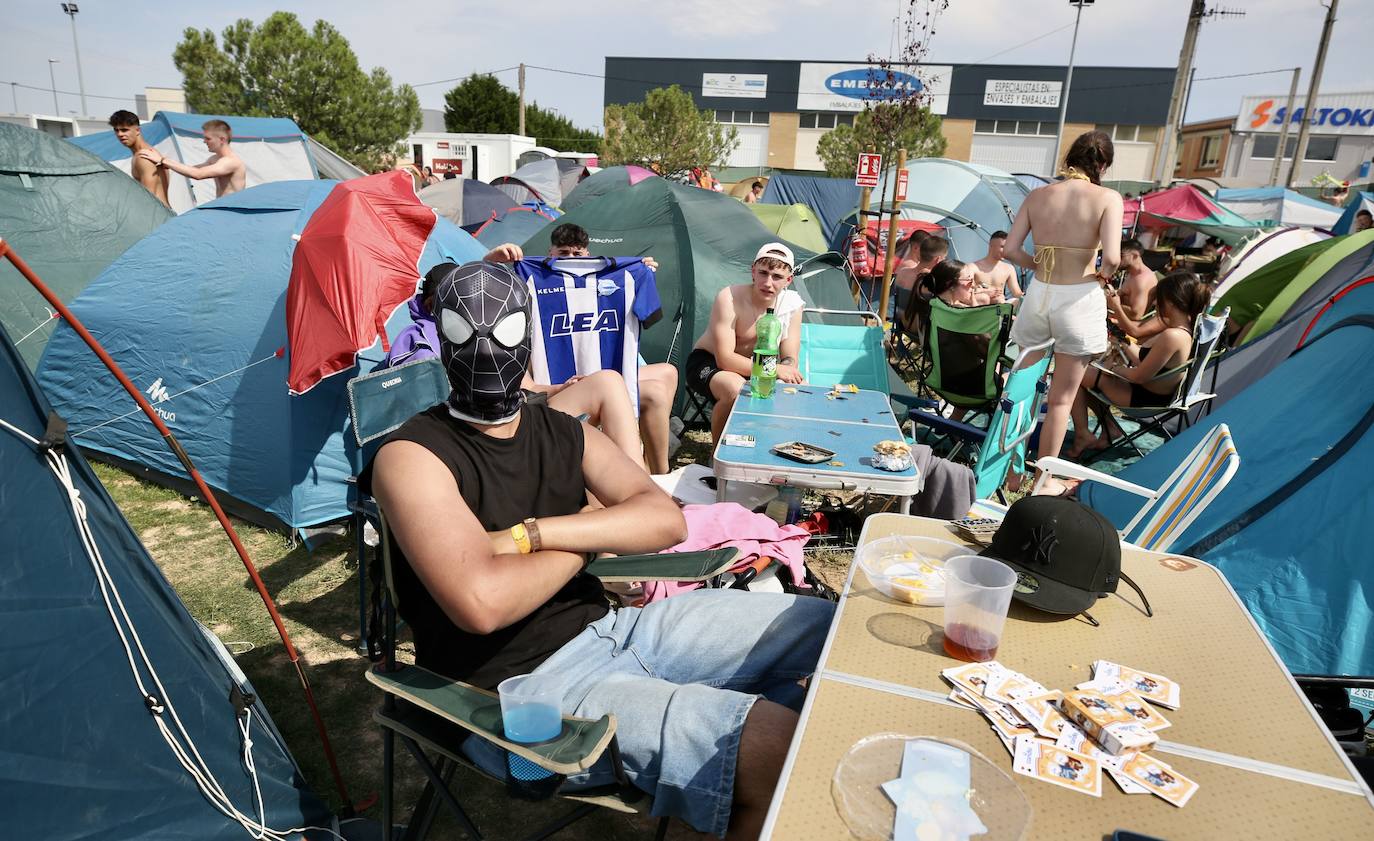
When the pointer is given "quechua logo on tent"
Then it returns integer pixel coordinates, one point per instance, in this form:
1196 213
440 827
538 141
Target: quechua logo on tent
873 83
157 393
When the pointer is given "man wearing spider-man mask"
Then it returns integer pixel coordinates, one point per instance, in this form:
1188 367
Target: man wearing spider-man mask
482 312
486 498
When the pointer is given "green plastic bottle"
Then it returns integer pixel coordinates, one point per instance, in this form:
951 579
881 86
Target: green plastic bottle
768 332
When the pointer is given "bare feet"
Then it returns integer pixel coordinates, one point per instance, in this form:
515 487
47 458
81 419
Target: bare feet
1082 448
1051 486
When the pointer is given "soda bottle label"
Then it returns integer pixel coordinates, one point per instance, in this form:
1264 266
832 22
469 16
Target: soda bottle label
770 365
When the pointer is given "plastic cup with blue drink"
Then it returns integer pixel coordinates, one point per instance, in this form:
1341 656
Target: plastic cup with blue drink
531 714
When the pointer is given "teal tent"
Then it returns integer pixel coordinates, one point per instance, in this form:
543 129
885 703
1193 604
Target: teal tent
703 241
68 214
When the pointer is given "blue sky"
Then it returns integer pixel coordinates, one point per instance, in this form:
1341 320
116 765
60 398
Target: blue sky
127 45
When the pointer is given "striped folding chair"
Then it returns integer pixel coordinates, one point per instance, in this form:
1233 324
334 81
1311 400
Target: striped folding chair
1177 502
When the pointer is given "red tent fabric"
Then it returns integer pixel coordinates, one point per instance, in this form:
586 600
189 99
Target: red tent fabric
1182 202
356 262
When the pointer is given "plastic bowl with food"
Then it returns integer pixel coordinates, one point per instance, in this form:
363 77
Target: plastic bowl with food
909 569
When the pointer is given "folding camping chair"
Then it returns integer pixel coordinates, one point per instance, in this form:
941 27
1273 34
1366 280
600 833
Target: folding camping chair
910 332
1002 446
967 348
378 403
1189 395
850 353
434 715
1177 502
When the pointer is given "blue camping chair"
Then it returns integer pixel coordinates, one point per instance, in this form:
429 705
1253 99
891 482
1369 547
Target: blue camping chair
851 353
1002 446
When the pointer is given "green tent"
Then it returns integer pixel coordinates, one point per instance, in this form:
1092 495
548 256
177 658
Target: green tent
703 241
794 223
1293 281
68 214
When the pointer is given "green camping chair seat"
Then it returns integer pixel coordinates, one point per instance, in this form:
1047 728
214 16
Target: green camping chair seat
967 346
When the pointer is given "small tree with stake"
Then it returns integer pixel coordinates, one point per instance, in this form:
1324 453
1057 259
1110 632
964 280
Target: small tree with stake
665 133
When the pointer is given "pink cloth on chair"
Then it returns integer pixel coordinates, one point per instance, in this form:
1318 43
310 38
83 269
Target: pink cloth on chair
728 524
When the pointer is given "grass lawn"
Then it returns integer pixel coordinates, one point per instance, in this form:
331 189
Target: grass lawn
316 593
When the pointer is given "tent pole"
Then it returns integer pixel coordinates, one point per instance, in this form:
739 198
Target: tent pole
8 252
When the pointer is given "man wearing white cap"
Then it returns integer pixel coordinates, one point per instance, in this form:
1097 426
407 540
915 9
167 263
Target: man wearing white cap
722 358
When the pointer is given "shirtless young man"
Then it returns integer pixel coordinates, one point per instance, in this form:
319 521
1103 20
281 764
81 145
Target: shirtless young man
144 171
723 357
1071 221
996 273
223 165
1138 290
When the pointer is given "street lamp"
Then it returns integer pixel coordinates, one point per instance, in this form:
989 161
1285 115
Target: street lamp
70 10
1068 80
56 111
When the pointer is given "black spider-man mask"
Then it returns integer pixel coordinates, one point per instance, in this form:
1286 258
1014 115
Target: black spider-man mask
482 311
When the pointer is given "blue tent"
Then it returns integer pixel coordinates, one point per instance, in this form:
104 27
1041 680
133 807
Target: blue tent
516 225
831 199
195 314
272 149
1361 201
1289 532
969 201
84 757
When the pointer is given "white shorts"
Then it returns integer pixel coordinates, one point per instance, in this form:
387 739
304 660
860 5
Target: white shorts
1074 315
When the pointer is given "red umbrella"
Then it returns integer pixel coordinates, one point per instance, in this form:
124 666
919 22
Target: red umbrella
356 262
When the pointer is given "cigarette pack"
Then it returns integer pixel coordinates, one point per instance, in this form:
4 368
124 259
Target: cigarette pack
1103 717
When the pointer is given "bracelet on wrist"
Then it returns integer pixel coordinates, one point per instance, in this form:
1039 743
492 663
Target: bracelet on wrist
532 531
520 535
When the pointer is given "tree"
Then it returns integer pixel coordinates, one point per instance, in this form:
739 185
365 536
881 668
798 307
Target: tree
883 128
665 133
897 114
280 69
481 104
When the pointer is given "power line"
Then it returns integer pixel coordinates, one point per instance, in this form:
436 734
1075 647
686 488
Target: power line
67 93
461 78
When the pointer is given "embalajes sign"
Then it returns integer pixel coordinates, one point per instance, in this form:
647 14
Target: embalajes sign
1022 93
1333 113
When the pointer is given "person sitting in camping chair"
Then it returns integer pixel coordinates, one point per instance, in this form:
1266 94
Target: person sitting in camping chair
601 398
485 497
1132 373
722 359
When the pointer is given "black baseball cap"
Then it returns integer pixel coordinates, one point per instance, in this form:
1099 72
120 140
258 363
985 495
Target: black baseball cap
1065 554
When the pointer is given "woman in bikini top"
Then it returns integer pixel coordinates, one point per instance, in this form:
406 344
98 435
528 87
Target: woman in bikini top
1147 375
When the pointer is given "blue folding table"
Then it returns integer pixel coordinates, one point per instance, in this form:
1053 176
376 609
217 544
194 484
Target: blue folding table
849 424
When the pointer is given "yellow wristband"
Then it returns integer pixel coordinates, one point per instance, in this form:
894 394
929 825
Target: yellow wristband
521 538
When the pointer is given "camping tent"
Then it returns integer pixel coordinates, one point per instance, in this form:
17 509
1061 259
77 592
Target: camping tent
1187 206
969 201
1289 283
195 313
1257 252
1031 181
84 758
547 180
272 149
1361 201
515 225
1279 205
69 215
831 199
466 202
793 222
703 241
1324 271
612 179
1290 533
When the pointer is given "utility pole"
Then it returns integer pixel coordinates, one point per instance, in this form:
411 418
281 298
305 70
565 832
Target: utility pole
1068 80
14 94
70 10
1298 154
1283 129
522 99
52 80
1169 145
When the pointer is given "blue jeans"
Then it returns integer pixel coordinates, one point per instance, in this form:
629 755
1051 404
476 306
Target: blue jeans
680 676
